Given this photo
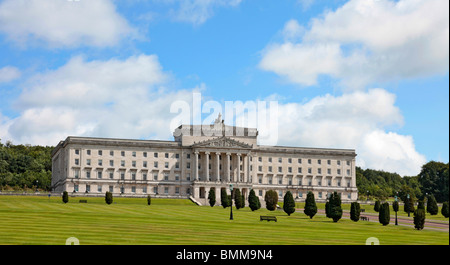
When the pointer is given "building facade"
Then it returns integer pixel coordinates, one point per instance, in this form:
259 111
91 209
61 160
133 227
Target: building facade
199 159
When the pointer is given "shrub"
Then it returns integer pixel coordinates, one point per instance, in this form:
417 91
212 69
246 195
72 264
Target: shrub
432 206
310 205
149 200
253 201
288 203
444 209
408 205
335 207
384 214
271 199
376 208
355 210
237 199
395 206
65 197
327 209
108 197
419 218
212 197
224 200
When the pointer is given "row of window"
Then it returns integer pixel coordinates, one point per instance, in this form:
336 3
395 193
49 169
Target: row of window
155 176
188 156
188 166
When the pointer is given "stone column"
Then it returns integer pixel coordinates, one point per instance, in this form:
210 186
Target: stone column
238 162
207 166
244 168
248 168
217 166
227 169
195 165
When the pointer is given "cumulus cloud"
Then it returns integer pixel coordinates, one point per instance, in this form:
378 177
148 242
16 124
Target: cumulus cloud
356 120
63 23
9 73
366 41
113 98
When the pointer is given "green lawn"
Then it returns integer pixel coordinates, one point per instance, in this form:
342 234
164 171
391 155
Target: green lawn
40 220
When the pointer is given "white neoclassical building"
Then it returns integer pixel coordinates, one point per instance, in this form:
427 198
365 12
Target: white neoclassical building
199 159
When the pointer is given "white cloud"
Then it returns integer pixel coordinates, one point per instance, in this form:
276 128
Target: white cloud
60 23
114 98
198 11
355 120
367 41
9 73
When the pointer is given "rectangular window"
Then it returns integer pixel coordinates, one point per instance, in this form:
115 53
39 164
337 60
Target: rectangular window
309 161
177 156
260 168
166 165
144 190
88 152
144 163
188 156
329 171
88 162
155 154
339 172
122 163
144 176
280 169
111 175
329 162
77 174
270 168
75 187
122 153
259 159
77 161
88 174
133 154
177 177
338 162
177 190
177 165
100 152
122 175
319 171
166 155
319 161
348 172
111 153
144 154
188 165
280 160
111 163
270 160
99 188
166 176
133 176
299 160
99 174
77 151
133 189
166 190
299 170
188 176
88 188
289 169
133 163
155 190
155 164
309 170
155 176
111 188
100 162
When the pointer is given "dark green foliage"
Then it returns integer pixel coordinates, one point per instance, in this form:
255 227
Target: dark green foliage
355 210
434 179
419 218
327 209
271 199
224 198
408 205
108 197
376 208
310 205
149 200
444 209
237 199
395 206
432 206
384 214
253 201
65 197
212 197
25 167
242 201
288 203
420 205
335 207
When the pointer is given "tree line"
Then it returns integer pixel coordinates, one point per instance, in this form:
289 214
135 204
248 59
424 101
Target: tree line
25 167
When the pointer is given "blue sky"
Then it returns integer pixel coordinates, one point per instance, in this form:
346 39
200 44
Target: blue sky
370 75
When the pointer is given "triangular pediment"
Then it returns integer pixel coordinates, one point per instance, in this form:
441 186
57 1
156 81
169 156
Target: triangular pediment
222 142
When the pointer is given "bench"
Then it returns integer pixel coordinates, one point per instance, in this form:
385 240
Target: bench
83 201
364 218
268 218
362 210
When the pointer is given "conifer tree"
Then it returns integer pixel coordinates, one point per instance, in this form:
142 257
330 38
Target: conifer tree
108 197
224 200
335 207
432 206
237 198
212 197
65 197
384 214
444 209
355 210
271 199
310 205
253 201
149 200
288 203
376 208
419 218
